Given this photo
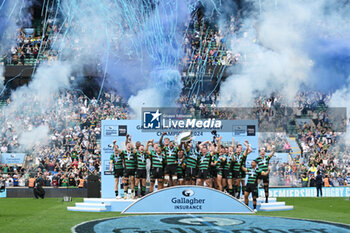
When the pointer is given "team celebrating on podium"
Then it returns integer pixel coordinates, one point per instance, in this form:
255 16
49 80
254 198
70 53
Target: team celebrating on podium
207 163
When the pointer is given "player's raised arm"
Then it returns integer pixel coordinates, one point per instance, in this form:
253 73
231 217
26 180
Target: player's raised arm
111 163
273 151
161 139
127 139
233 142
265 173
131 143
244 169
203 144
116 148
219 144
150 142
248 149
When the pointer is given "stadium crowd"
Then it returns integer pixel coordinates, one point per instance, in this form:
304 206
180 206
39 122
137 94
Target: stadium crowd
31 47
73 151
205 45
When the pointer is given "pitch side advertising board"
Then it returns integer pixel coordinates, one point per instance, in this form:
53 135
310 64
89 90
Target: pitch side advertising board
307 192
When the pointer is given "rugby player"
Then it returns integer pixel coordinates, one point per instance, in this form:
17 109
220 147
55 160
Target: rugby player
212 169
170 151
219 163
116 162
263 164
252 184
141 173
203 165
129 161
191 162
180 167
230 159
157 158
238 173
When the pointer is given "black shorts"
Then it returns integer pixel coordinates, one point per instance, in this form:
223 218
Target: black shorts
252 188
141 173
118 173
129 172
203 174
171 169
264 178
219 172
226 174
236 174
157 173
180 174
213 172
191 172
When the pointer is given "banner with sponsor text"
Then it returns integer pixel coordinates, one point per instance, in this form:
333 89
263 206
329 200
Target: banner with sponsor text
307 192
12 158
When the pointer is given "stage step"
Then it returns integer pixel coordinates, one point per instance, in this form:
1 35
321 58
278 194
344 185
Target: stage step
86 209
262 200
277 208
93 205
108 200
272 204
115 205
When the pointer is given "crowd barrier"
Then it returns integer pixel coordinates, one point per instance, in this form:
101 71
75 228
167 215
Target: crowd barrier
49 192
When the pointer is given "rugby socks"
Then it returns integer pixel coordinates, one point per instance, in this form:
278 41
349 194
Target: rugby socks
116 193
136 190
235 191
266 189
238 191
230 191
254 203
143 190
243 190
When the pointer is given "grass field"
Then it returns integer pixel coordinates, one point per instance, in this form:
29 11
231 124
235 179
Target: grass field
51 215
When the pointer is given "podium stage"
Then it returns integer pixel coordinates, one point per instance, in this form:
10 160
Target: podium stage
179 199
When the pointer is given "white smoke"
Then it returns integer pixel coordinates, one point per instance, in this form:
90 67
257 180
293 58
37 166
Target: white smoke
341 98
2 78
273 49
34 137
34 101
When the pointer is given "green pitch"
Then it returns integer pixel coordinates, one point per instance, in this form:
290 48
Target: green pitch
51 215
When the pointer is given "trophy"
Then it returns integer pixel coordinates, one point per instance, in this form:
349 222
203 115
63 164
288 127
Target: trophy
184 137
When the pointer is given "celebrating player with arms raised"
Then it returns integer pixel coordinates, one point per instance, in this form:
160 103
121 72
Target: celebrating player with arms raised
191 162
204 164
170 151
263 164
116 162
252 184
157 158
129 161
